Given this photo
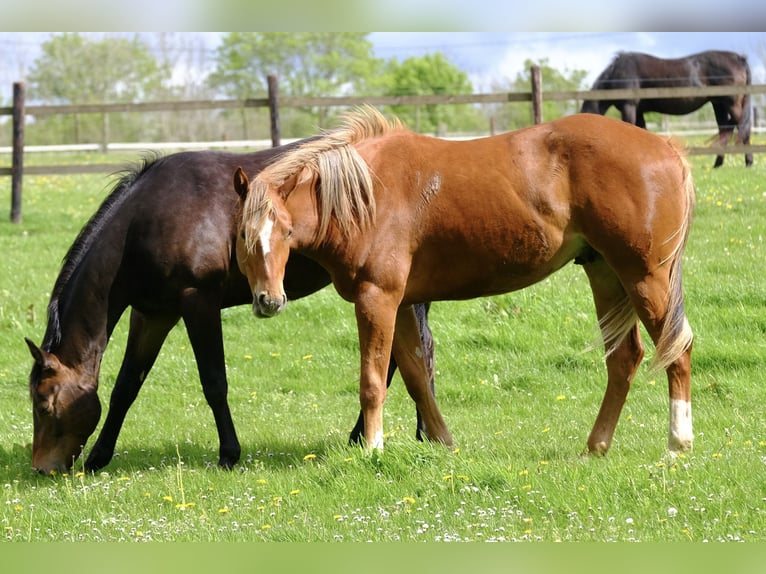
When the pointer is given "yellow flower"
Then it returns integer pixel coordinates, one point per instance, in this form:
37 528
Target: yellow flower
447 477
294 492
248 357
337 516
310 456
266 527
223 510
18 508
168 498
307 357
261 481
408 500
560 398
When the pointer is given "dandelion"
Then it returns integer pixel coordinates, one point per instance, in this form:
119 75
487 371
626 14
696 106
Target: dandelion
79 474
248 357
408 500
307 357
167 498
717 455
560 398
310 456
18 508
266 527
261 481
275 354
223 510
295 491
546 429
447 477
524 472
337 517
185 505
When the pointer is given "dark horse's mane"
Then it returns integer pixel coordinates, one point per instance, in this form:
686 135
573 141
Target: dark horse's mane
88 236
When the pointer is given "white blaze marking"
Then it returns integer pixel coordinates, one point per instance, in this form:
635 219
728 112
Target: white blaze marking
265 236
681 435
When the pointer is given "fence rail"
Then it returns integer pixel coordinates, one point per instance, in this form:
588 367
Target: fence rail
535 96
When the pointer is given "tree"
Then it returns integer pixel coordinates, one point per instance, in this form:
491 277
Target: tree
305 63
431 74
75 69
506 117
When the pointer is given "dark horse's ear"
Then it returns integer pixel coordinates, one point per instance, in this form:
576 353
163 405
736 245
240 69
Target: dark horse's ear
42 358
241 183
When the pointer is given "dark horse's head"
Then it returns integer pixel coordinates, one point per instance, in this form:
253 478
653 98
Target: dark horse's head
65 410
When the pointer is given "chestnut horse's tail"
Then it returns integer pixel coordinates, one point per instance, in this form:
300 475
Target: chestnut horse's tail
676 335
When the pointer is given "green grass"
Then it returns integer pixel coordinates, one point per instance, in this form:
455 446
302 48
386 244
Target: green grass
516 390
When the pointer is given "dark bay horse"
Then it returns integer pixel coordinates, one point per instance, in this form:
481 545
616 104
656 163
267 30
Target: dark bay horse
398 218
631 70
162 244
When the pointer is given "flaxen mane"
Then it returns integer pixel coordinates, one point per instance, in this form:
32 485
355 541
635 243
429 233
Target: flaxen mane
346 191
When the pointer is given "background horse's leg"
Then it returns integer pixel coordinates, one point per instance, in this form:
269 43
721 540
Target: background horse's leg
726 125
410 356
421 311
621 363
145 338
629 112
201 312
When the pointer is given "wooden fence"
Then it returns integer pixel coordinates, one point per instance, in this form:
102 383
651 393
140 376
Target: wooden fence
274 102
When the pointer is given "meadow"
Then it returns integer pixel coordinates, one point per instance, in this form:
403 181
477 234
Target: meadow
513 382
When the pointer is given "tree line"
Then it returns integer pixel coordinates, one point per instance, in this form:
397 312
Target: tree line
74 68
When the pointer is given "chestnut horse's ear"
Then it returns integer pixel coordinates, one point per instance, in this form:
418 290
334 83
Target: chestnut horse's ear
241 183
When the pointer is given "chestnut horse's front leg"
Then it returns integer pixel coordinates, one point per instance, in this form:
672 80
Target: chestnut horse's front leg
411 359
375 317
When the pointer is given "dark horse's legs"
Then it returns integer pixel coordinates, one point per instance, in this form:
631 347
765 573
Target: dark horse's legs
421 312
145 339
202 316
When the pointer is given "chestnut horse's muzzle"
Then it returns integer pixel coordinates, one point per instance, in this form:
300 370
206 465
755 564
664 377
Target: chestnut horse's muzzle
264 305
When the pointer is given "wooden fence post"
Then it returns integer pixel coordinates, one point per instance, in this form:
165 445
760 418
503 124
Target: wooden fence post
274 108
17 161
537 94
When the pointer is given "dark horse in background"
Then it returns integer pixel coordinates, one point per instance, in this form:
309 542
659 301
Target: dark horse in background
160 243
631 70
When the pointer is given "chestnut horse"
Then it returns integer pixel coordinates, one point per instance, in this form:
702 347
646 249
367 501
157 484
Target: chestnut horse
161 243
398 218
711 68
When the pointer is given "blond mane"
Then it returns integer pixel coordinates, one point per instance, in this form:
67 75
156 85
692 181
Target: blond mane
346 190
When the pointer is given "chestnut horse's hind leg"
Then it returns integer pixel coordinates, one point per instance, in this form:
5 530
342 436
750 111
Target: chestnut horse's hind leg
413 365
145 339
623 361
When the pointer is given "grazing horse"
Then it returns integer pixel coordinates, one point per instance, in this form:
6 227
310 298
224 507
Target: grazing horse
160 243
397 218
632 70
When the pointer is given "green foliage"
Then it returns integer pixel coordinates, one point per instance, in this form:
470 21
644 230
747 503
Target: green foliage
75 69
511 117
305 63
427 75
514 387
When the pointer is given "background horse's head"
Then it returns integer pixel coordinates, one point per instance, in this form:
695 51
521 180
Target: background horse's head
263 244
65 411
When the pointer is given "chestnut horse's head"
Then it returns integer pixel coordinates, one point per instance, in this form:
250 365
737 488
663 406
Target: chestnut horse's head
65 411
263 245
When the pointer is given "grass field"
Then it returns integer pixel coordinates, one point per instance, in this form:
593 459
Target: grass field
513 383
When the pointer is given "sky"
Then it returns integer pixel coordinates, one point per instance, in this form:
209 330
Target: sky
488 57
